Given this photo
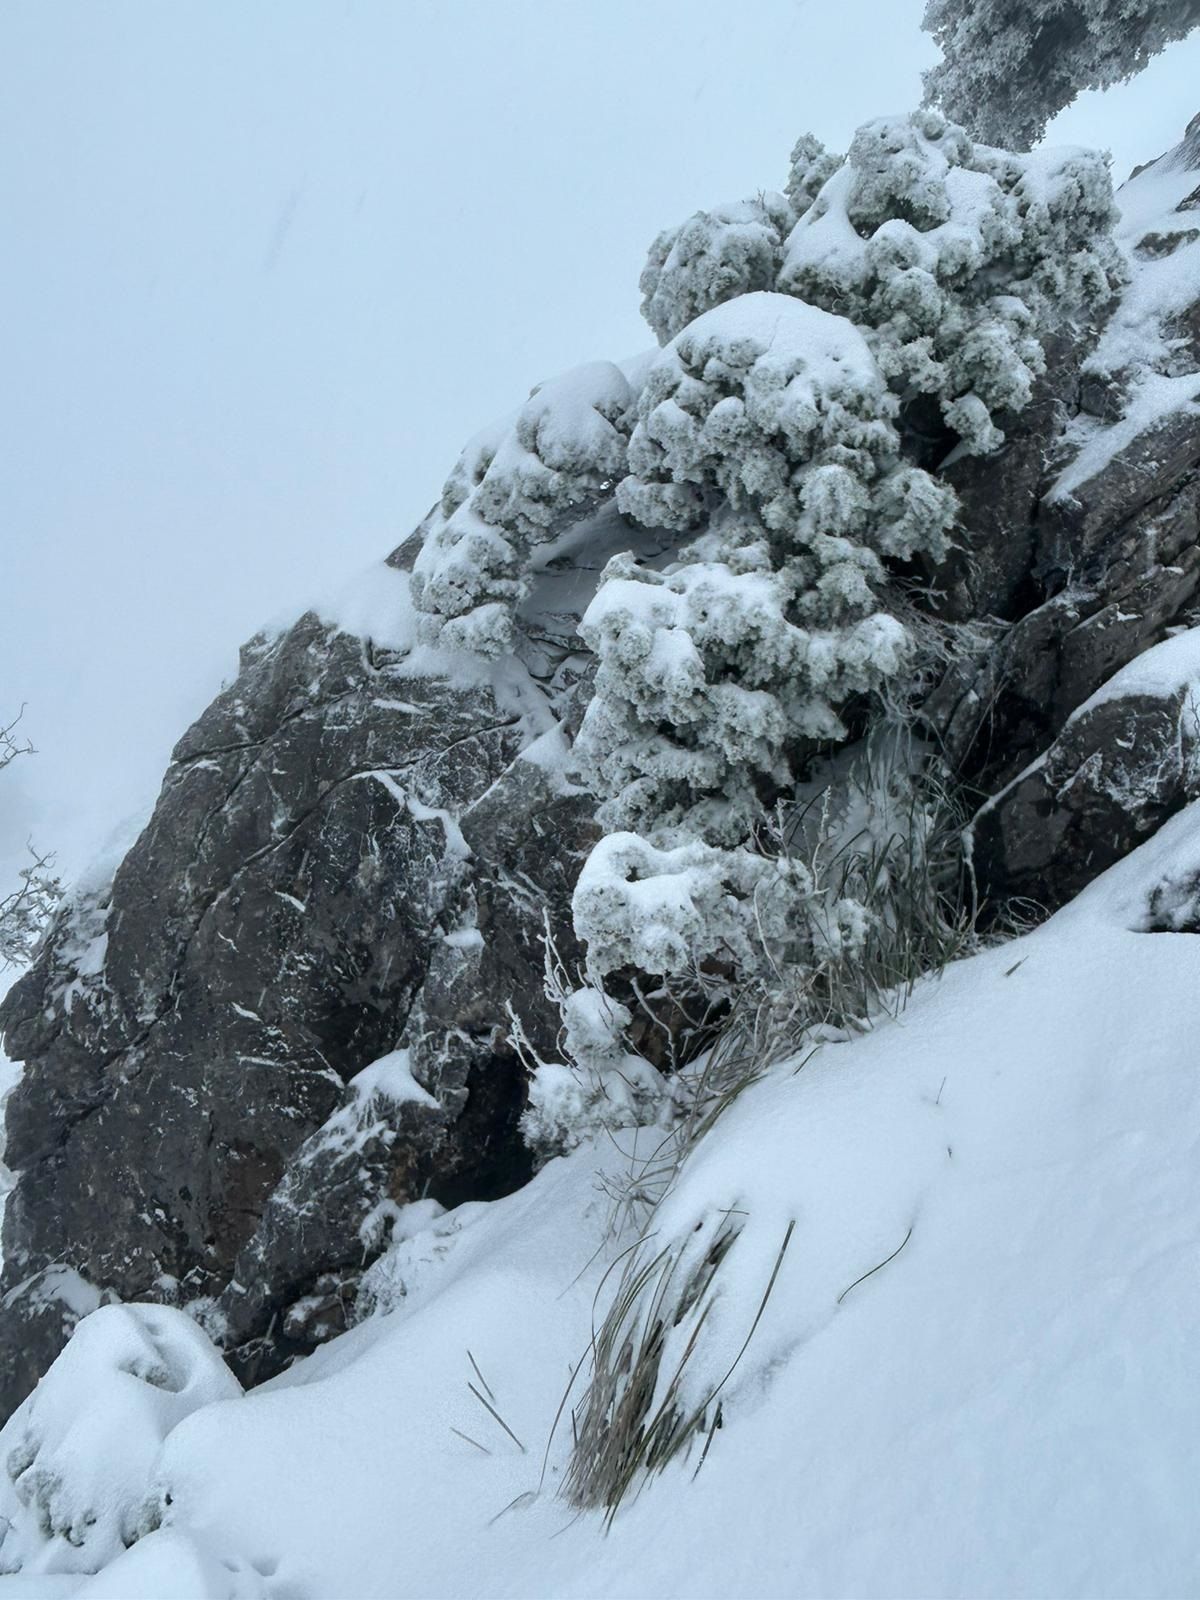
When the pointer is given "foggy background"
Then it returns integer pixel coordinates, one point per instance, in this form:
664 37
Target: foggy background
268 263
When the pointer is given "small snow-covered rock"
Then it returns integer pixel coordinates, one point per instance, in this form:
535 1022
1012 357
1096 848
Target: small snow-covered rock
78 1456
1126 760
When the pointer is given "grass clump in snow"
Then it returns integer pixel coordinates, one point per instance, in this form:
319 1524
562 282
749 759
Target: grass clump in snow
879 839
638 1413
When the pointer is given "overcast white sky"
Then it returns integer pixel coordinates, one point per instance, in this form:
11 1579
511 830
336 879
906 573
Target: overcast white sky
268 263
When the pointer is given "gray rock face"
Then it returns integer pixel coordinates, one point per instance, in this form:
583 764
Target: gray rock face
1125 577
1114 774
303 901
1111 567
1126 557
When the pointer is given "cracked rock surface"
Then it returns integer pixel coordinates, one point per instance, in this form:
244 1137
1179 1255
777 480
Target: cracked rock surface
303 903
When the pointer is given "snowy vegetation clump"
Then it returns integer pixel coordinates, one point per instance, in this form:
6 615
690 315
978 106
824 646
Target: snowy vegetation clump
811 340
561 453
811 166
670 910
712 257
1008 66
732 249
956 260
600 1084
767 430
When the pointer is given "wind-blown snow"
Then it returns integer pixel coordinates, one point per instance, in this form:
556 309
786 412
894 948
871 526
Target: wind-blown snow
1007 1408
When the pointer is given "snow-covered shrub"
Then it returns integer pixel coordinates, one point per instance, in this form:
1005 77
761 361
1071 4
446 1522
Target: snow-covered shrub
811 166
731 250
956 259
78 1456
1008 66
511 488
767 424
667 911
600 1084
713 256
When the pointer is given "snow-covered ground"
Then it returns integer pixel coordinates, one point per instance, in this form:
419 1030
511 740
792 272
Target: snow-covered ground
1008 1407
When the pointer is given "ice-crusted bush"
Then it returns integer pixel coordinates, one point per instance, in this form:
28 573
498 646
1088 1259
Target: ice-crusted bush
511 488
956 259
1008 66
667 911
599 1084
731 250
767 424
713 256
810 167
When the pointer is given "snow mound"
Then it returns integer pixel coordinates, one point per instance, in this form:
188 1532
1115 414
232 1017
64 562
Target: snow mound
79 1455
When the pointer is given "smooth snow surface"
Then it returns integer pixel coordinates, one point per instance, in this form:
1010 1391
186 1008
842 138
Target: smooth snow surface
1008 1408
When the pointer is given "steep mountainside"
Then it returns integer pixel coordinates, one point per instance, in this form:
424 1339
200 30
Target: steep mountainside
285 1015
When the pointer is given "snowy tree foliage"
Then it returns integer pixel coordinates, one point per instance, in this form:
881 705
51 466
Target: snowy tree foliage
1008 66
768 443
954 258
26 911
767 428
957 259
600 1084
712 257
670 910
513 484
811 166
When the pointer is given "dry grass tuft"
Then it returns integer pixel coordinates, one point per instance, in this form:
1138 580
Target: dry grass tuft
633 1418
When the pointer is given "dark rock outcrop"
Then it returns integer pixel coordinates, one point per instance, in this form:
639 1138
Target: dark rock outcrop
303 901
1109 544
1120 767
1118 582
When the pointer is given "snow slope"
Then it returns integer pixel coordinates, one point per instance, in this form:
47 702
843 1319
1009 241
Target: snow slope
1008 1408
1141 346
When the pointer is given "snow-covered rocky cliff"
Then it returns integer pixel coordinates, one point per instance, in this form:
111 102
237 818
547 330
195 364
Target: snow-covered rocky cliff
277 1058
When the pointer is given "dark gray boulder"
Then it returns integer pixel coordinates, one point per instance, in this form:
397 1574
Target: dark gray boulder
303 901
1122 765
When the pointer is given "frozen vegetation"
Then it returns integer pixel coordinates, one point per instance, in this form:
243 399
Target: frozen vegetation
1009 65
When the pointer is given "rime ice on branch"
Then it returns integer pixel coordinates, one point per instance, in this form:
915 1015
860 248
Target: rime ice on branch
1008 66
957 260
560 453
766 428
